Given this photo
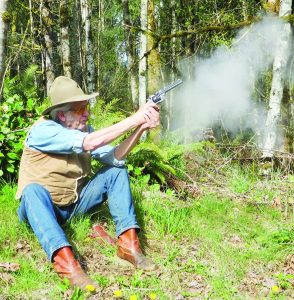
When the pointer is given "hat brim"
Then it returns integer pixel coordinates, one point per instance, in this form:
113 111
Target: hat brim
70 100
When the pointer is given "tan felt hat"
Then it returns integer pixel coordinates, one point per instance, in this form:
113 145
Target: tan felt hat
65 90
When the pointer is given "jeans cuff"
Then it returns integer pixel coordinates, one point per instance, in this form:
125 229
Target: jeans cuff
118 233
50 254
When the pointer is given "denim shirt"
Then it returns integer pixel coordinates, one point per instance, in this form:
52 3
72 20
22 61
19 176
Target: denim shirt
51 137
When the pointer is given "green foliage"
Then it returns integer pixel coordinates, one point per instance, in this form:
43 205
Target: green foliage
284 280
241 179
19 108
106 114
6 17
212 240
283 237
148 158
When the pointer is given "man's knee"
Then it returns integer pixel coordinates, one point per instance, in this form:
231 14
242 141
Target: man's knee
35 192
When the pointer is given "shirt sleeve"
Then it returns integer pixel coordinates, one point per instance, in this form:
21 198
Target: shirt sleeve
105 154
49 136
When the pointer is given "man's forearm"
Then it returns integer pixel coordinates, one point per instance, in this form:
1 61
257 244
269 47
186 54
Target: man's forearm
105 136
124 148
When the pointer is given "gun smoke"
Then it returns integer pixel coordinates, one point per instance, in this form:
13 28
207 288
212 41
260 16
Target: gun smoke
224 87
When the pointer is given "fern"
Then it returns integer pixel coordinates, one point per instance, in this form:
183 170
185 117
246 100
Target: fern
152 160
106 114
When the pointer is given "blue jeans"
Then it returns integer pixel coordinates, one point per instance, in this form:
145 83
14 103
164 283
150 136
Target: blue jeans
45 218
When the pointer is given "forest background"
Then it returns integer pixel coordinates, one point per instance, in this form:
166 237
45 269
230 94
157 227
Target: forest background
214 184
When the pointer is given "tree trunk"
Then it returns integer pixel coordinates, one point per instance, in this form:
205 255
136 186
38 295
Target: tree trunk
131 52
75 42
276 93
90 65
153 57
142 55
64 38
3 22
100 30
46 13
169 103
32 31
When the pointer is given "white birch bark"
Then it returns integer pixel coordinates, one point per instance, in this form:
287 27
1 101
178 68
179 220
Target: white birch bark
32 29
80 71
131 53
3 8
173 53
64 38
101 26
90 65
45 13
276 94
143 59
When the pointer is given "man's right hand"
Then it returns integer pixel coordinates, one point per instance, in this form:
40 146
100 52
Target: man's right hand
148 113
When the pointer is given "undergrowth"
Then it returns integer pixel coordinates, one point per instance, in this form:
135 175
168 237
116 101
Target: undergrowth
233 241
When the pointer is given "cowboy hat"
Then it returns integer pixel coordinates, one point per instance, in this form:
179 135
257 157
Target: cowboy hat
65 90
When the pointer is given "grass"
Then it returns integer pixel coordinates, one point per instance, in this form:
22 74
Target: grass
212 247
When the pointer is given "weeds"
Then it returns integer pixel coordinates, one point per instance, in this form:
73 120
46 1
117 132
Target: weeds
210 247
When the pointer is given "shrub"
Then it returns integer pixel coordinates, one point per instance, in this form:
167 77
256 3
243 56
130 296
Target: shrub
18 110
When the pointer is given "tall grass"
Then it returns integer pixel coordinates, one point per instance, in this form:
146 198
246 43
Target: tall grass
206 248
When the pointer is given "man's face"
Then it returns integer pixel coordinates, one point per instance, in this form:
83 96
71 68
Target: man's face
77 116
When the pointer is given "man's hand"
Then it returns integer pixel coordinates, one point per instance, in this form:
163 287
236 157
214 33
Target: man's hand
146 117
148 113
151 118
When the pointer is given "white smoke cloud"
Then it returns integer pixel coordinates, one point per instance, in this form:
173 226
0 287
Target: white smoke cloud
223 84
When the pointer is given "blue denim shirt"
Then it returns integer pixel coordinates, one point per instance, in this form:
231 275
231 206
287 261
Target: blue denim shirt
51 137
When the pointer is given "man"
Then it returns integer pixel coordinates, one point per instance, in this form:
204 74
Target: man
53 184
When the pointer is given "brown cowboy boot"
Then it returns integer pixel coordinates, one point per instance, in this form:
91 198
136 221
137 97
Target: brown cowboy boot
99 233
129 249
68 267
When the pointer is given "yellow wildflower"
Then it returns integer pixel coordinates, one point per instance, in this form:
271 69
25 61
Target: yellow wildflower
275 289
118 293
90 288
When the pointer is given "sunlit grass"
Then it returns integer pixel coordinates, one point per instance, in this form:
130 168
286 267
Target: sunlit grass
211 240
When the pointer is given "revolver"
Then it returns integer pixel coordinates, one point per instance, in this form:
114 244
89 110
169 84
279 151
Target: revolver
159 96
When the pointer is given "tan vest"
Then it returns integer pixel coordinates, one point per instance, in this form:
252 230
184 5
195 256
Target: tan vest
63 175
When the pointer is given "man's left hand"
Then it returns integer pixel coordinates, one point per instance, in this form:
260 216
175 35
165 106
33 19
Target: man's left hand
151 118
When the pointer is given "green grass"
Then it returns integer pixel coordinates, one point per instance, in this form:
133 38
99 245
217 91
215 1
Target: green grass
212 247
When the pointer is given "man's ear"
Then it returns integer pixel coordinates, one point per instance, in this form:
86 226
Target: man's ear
61 116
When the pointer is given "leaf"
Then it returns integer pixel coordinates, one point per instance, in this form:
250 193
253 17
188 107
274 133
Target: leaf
130 167
137 171
159 175
12 155
10 169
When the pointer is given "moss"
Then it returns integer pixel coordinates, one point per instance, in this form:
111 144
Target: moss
6 17
272 7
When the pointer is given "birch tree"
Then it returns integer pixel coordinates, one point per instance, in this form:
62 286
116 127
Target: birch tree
90 65
32 32
131 52
77 64
64 38
276 93
3 22
46 9
169 104
153 57
101 25
142 54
